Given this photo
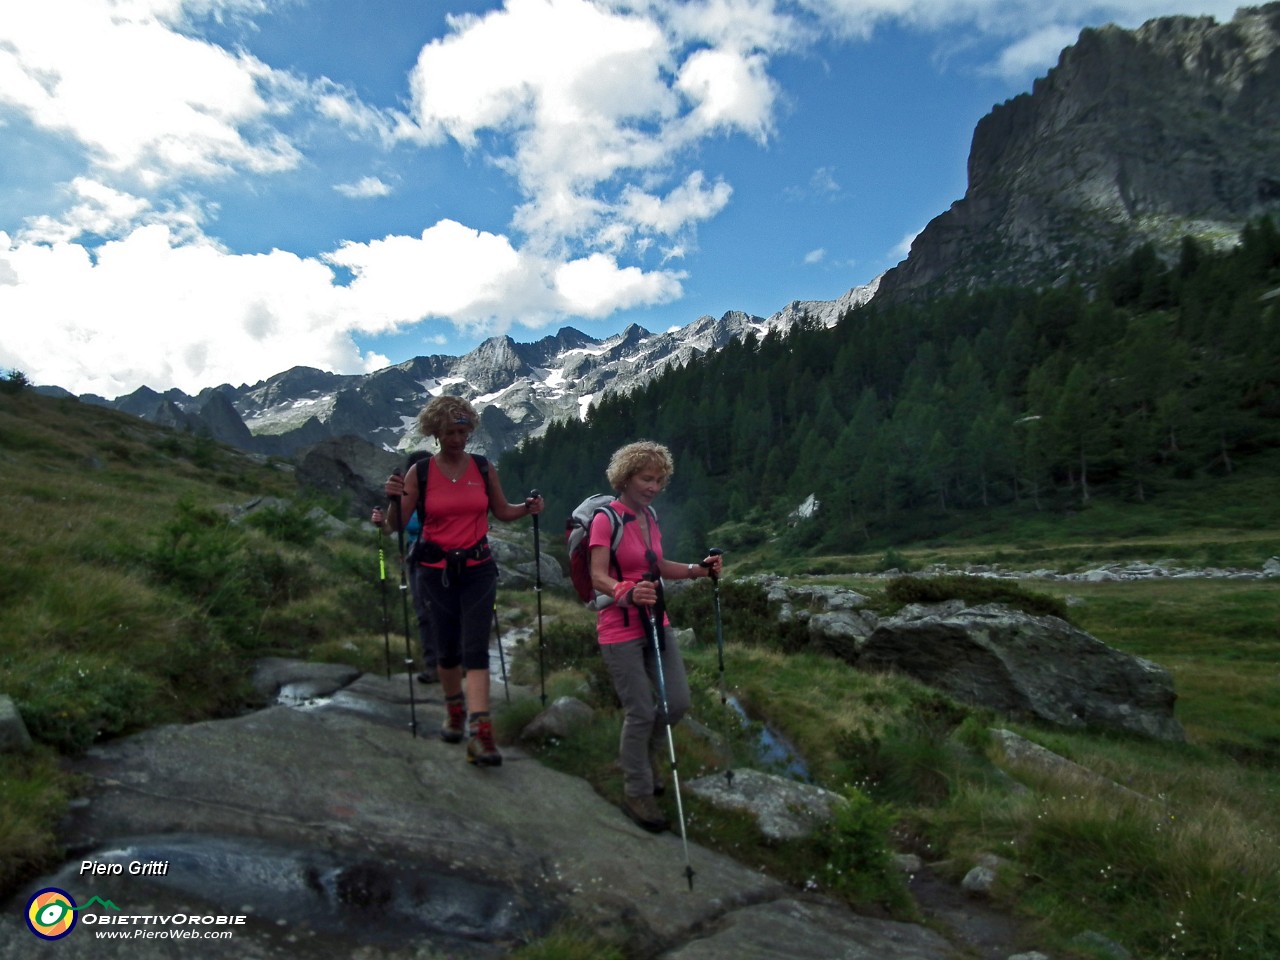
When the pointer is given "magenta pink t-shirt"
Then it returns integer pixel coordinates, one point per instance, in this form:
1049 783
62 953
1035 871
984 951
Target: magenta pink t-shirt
457 511
614 624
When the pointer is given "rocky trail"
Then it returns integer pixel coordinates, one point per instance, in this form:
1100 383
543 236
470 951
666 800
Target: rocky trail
320 827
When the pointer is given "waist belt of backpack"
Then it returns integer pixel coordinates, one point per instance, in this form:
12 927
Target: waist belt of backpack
455 561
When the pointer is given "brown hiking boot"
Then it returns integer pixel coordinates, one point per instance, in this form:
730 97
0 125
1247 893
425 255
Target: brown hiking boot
644 811
481 750
455 722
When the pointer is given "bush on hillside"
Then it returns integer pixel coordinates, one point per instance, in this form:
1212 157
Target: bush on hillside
858 859
745 616
973 590
14 381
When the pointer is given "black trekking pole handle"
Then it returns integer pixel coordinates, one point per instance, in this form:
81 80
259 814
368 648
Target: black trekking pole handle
712 552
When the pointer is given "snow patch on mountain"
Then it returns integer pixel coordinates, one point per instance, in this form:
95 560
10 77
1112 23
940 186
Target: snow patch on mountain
519 389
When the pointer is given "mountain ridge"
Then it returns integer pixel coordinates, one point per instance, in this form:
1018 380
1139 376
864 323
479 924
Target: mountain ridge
518 388
1135 137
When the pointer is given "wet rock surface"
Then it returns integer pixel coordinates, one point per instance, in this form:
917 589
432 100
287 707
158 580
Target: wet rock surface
333 831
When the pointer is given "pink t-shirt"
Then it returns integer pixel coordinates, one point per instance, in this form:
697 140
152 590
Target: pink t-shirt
457 513
614 624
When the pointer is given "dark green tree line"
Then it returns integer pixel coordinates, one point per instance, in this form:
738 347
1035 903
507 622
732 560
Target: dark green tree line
1044 398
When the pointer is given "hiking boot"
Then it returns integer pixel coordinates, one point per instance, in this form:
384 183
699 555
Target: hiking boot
455 722
644 811
481 750
429 675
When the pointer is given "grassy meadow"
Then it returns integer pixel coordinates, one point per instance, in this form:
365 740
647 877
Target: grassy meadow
128 598
1185 865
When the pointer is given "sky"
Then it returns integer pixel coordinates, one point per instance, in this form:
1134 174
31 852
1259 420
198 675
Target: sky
199 192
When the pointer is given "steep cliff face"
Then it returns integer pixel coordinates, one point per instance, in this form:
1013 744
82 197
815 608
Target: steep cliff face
1135 136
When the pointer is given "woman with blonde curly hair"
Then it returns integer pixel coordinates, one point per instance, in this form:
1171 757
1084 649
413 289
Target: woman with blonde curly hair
633 574
457 573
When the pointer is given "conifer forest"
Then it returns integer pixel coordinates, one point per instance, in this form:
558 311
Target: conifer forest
900 416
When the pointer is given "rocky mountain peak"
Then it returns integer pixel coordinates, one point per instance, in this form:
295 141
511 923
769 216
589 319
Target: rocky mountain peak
492 365
1135 136
519 389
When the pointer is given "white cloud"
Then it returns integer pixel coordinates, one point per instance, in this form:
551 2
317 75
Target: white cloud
1026 32
824 181
730 91
741 25
149 309
596 110
100 211
693 200
574 98
903 248
822 185
96 209
480 279
363 188
141 98
595 286
1032 52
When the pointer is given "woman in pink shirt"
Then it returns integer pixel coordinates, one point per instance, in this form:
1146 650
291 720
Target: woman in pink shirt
633 576
457 574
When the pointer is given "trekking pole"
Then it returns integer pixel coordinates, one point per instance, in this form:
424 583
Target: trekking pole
715 579
537 592
408 651
502 658
386 614
724 699
671 740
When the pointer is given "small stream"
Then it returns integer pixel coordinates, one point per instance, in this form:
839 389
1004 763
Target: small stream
773 750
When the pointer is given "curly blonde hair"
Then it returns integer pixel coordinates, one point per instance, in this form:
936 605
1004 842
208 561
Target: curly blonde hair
443 411
627 461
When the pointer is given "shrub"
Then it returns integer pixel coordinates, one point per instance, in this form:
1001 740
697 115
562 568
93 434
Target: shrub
973 590
736 536
233 579
291 523
78 702
855 847
15 381
568 646
34 789
893 560
745 617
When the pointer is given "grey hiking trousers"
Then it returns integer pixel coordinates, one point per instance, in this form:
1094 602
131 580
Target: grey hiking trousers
632 666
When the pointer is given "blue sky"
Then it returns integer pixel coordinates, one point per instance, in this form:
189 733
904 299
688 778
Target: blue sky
196 192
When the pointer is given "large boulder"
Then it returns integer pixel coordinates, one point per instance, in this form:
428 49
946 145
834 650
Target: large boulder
349 469
14 737
512 546
1026 666
322 827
